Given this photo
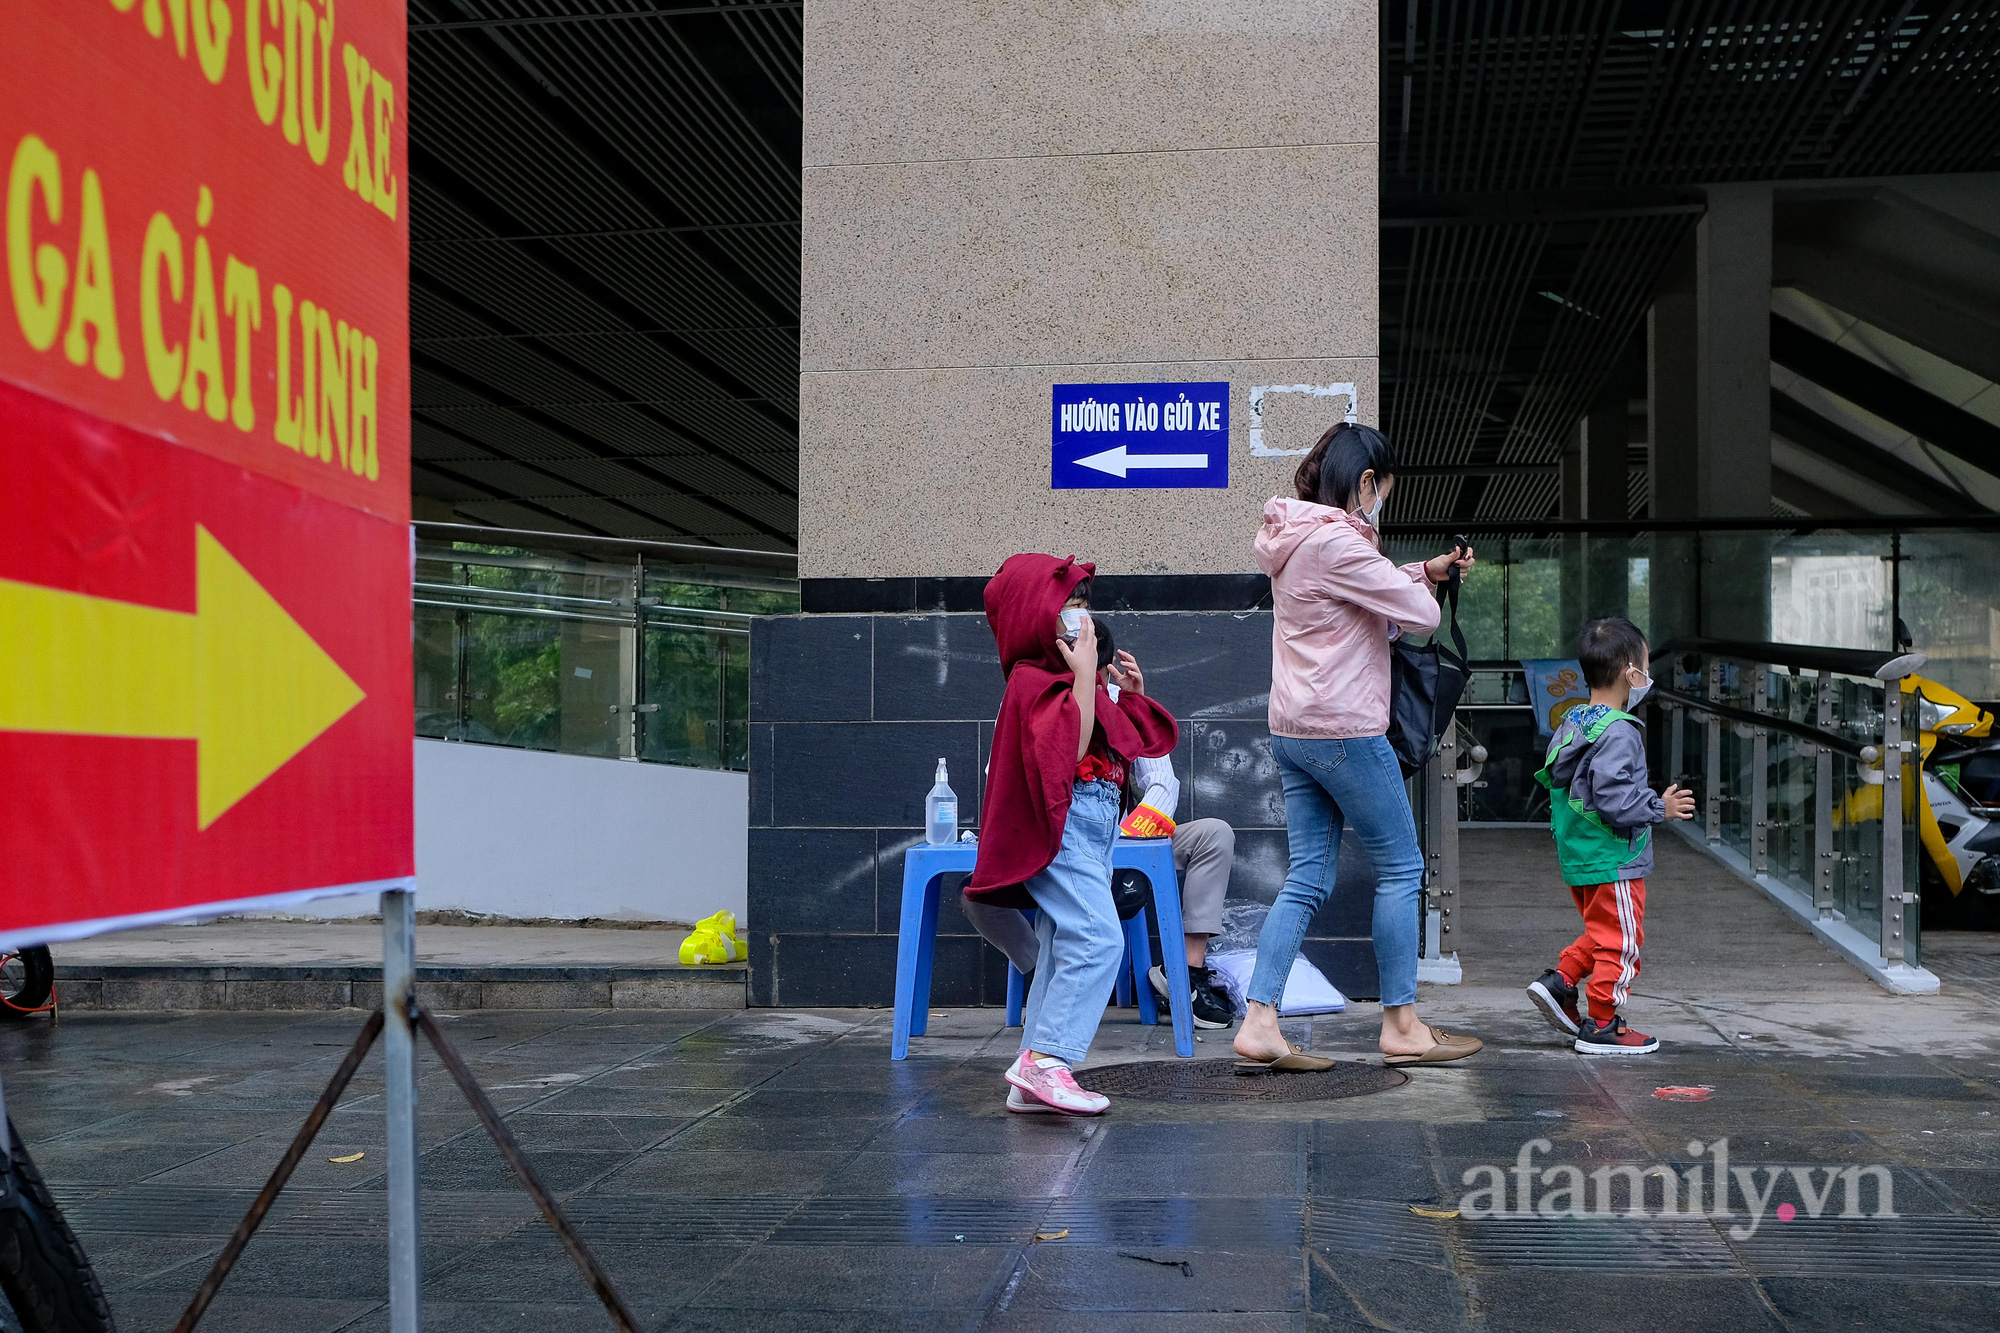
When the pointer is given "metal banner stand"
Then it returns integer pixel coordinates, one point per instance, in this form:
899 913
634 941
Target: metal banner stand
399 1058
398 1021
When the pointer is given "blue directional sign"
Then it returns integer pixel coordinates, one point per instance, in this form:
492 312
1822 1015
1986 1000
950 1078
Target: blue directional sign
1134 436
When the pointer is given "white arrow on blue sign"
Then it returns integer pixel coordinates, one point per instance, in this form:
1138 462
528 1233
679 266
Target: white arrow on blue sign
1113 436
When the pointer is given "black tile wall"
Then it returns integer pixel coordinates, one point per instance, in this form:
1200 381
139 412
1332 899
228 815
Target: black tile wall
1202 664
838 971
890 845
1235 777
811 668
1348 964
813 879
761 774
934 667
850 713
870 774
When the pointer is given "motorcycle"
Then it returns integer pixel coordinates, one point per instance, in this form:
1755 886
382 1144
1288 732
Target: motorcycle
1959 806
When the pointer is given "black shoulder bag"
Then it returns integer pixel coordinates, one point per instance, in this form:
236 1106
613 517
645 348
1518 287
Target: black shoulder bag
1425 683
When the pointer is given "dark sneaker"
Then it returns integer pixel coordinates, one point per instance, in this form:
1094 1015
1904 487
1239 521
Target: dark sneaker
1211 1007
1556 999
1211 1010
1613 1038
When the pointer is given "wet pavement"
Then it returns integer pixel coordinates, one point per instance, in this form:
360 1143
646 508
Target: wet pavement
776 1170
770 1169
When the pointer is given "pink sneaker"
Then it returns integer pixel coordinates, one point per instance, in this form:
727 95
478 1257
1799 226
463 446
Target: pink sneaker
1049 1081
1020 1103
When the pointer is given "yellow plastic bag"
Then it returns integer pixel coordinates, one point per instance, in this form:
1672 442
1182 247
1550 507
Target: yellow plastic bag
707 946
722 923
713 940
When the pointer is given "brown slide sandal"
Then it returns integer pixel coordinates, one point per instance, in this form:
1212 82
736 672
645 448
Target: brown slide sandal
1446 1047
1293 1061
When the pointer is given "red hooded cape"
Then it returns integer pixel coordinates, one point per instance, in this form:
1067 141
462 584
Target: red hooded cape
1033 763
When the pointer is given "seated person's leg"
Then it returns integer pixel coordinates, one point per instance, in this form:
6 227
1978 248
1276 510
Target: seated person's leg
1006 929
1204 852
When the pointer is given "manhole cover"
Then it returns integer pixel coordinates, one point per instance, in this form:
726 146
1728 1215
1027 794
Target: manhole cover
1218 1081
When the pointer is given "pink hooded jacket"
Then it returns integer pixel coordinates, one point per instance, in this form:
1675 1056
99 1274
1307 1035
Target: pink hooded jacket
1336 597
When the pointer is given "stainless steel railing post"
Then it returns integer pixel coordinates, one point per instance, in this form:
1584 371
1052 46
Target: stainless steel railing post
1824 862
1893 897
1712 757
1759 814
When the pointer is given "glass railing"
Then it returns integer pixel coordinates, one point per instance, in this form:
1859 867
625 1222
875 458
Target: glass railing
1844 584
1784 759
622 650
1794 763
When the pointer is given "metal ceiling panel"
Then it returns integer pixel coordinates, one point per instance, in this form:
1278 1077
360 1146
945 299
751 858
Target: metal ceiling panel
605 205
1541 164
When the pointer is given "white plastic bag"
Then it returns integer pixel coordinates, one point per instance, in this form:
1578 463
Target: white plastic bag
1307 991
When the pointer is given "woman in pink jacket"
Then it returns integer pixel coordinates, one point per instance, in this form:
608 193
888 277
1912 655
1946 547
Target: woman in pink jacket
1338 603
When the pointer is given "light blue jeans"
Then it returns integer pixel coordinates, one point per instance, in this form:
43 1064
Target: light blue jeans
1082 940
1328 785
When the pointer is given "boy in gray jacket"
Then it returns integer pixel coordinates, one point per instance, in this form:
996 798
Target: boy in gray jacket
1602 813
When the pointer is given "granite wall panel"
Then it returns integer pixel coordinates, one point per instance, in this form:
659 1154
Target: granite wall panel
999 198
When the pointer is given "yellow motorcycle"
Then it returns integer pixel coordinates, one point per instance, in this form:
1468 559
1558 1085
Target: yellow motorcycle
1958 815
1957 804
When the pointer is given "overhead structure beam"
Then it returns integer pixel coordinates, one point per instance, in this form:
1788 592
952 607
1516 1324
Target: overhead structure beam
1795 421
1886 394
1535 157
596 449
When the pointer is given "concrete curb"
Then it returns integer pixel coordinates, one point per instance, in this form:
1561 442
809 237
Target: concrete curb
140 987
1835 933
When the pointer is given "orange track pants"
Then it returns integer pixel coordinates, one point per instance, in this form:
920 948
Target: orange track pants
1614 926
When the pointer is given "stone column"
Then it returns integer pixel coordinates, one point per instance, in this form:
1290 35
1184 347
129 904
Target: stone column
1672 426
1733 386
1733 378
1595 577
998 199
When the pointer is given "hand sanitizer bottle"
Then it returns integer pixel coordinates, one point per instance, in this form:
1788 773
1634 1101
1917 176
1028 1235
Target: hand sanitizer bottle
941 812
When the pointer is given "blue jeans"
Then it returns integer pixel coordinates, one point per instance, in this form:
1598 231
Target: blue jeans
1329 784
1082 940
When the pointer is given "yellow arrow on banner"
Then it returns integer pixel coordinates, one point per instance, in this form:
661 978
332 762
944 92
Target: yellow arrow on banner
238 676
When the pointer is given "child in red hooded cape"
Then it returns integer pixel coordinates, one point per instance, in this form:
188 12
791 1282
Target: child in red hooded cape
1050 816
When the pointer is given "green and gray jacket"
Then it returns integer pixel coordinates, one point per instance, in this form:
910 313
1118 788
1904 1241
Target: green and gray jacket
1600 809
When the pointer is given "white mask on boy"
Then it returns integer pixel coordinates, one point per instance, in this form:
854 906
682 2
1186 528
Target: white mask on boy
1639 692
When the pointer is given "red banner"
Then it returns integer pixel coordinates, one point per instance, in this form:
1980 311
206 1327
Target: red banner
204 457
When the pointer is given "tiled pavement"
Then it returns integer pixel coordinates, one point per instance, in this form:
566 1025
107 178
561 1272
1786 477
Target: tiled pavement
770 1169
774 1170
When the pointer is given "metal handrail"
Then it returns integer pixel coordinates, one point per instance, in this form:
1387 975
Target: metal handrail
1868 663
650 605
1770 721
784 563
546 613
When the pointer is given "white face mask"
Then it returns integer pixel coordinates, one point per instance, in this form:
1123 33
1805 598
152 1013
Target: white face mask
1373 516
1639 692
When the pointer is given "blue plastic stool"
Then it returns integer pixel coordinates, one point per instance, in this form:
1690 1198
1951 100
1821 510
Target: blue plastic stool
925 866
1131 974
